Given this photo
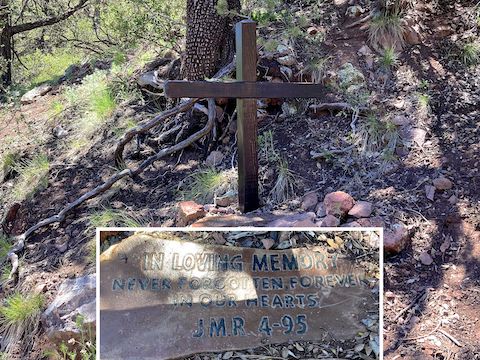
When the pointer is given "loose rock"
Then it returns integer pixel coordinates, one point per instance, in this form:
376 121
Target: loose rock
30 96
309 201
396 239
75 297
338 203
329 221
214 158
361 209
188 212
442 183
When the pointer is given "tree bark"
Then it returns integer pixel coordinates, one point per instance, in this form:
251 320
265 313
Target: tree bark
6 50
210 40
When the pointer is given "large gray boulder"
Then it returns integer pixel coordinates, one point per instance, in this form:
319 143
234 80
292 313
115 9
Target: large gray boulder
75 297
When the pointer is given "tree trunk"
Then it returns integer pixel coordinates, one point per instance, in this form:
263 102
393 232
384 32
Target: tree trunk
210 40
6 49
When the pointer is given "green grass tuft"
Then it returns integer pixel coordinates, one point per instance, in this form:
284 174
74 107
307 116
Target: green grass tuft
20 309
423 101
387 30
205 184
32 176
285 185
389 58
5 245
470 53
113 217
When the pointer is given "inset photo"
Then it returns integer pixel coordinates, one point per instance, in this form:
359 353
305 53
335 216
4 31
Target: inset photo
239 294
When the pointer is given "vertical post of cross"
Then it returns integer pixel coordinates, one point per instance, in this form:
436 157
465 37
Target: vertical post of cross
246 40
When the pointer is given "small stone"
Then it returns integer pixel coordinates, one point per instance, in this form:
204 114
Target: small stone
362 209
40 288
351 224
442 183
283 50
59 132
401 120
430 192
412 36
375 221
425 258
268 243
287 60
219 238
214 158
453 200
320 210
338 203
188 212
309 201
228 199
396 239
312 30
329 221
365 51
62 247
74 297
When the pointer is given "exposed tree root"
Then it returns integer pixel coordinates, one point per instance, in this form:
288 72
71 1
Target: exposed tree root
20 240
361 21
143 128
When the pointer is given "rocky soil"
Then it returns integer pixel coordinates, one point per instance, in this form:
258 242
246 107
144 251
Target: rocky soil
426 194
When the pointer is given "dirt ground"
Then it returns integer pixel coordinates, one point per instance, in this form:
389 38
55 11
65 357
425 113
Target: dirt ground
431 311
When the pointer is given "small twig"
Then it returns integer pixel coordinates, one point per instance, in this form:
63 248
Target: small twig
450 337
361 21
417 299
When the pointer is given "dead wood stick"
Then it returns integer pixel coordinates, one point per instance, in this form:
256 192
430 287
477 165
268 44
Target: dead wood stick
424 336
336 106
450 337
420 297
361 21
20 240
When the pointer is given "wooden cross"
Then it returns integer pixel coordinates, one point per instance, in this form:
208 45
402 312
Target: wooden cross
246 90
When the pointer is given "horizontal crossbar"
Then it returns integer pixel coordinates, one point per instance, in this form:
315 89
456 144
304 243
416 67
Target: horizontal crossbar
242 90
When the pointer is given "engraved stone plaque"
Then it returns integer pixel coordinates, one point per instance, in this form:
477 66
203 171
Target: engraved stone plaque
162 299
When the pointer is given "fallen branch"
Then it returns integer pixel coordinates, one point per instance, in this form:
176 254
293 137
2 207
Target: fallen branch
338 106
361 21
20 240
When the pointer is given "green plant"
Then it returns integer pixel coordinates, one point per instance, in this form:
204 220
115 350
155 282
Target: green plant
47 66
112 217
267 147
389 58
470 53
56 108
285 184
424 85
20 317
83 348
5 245
378 136
423 101
387 30
92 251
32 176
205 184
7 164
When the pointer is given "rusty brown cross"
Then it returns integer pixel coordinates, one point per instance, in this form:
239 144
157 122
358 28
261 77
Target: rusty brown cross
246 89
